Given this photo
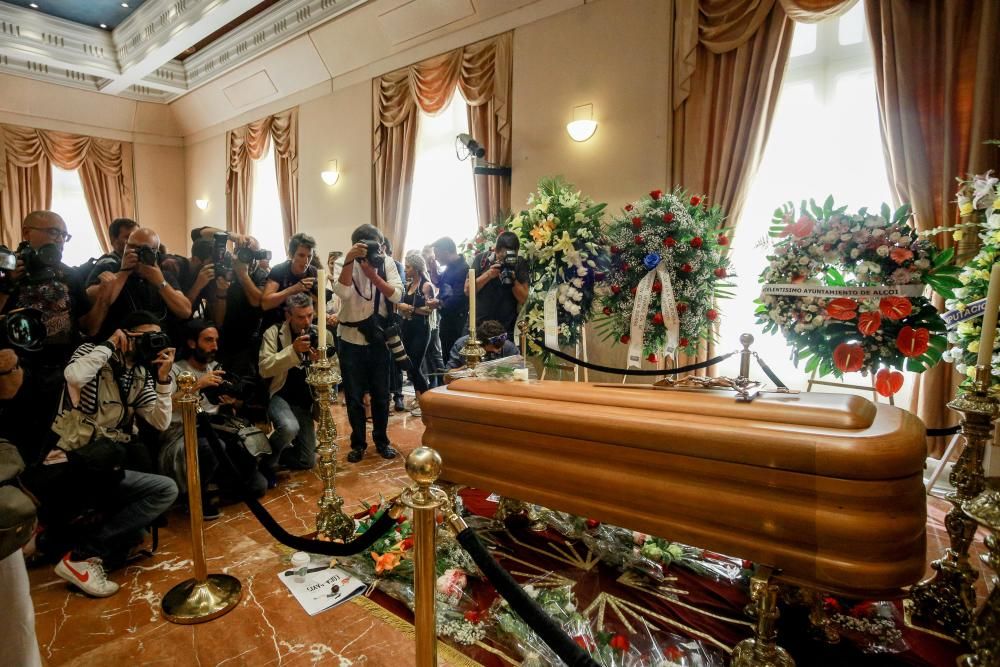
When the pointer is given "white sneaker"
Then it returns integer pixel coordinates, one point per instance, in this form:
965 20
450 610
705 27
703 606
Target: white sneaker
87 575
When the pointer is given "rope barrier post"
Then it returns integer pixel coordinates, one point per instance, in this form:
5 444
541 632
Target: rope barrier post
746 340
423 465
205 596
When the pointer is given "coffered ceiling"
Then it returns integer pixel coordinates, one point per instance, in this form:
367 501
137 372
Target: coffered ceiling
152 50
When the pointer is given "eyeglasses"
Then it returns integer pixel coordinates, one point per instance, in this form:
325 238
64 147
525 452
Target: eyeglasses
53 232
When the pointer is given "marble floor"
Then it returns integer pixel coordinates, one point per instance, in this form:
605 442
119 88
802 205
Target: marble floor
268 627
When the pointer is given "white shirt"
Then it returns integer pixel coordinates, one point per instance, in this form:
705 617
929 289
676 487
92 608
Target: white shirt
357 301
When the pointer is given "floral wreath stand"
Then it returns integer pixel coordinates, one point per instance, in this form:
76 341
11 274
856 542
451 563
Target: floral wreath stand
812 381
580 352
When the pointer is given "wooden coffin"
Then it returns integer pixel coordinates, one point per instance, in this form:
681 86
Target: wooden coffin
826 488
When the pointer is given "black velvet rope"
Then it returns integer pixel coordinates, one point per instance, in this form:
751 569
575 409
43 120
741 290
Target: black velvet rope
363 542
947 430
769 373
568 650
630 371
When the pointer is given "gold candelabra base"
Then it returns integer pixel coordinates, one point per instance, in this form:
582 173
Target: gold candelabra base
331 521
473 352
984 633
948 599
193 601
761 650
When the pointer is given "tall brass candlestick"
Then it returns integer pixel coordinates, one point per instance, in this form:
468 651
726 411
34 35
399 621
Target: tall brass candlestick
984 634
331 522
948 599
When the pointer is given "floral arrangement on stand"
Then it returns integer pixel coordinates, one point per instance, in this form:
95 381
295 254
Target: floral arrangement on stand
669 264
975 278
485 238
846 291
561 237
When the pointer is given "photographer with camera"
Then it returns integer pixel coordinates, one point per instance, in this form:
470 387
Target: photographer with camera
453 300
137 283
242 314
293 276
501 283
495 340
367 287
286 351
108 385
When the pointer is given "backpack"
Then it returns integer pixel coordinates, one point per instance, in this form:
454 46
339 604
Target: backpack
17 511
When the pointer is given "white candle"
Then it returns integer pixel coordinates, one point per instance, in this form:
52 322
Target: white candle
472 304
990 319
321 306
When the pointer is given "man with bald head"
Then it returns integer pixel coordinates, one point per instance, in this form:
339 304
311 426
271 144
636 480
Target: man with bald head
136 282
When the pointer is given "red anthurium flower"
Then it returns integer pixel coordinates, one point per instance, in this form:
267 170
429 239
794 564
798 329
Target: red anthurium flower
900 255
406 544
625 338
842 309
711 314
628 207
869 323
696 242
913 342
720 272
619 643
657 286
637 221
401 519
658 318
848 357
895 307
695 200
802 227
682 307
668 217
607 310
669 242
888 382
633 290
651 358
638 239
655 194
723 239
615 289
686 268
683 342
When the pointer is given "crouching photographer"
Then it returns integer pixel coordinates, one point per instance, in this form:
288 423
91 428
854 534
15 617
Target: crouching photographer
367 287
220 396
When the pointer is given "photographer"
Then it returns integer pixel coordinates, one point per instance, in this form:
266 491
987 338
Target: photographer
453 300
501 283
198 281
242 314
285 353
107 386
495 342
137 283
294 276
368 284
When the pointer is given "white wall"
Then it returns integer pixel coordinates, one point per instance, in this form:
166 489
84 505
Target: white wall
205 178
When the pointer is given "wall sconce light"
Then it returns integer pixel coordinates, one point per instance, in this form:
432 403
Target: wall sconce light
331 174
201 203
583 125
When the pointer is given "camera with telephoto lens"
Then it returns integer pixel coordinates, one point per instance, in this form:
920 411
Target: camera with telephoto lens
374 256
23 328
147 255
149 345
395 345
221 258
238 387
249 255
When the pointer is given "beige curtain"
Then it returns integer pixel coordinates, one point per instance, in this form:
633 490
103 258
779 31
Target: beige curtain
105 171
937 71
249 143
482 71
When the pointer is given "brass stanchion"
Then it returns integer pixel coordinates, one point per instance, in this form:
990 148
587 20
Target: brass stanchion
331 521
423 465
206 596
984 634
948 599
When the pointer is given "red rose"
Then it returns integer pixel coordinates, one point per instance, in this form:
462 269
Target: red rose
848 357
869 323
615 289
673 653
401 519
619 643
720 272
658 318
669 242
862 609
655 194
686 268
626 266
615 250
607 310
633 290
695 200
373 510
913 342
625 338
696 242
681 307
831 604
668 217
895 307
473 616
406 544
651 358
683 342
723 239
888 382
657 286
712 314
842 309
592 523
586 643
637 221
638 239
628 207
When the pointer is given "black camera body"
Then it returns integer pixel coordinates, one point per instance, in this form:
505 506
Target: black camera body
149 345
237 387
249 255
23 328
221 258
147 255
374 256
508 269
39 265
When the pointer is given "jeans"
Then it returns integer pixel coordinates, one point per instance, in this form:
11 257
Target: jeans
139 498
433 362
415 332
365 369
293 425
453 326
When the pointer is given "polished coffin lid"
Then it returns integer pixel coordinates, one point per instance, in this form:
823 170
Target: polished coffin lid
826 487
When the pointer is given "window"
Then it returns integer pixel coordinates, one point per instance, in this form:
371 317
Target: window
265 206
68 201
443 198
824 140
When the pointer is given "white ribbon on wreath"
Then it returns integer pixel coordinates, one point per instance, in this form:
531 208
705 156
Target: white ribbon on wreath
551 312
668 308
